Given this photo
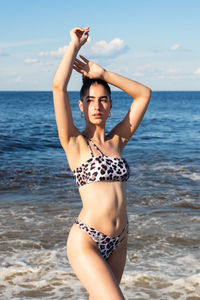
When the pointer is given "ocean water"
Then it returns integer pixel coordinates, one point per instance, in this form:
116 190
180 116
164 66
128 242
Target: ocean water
39 199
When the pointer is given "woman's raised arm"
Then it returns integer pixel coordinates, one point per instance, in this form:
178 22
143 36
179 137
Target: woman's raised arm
140 94
64 120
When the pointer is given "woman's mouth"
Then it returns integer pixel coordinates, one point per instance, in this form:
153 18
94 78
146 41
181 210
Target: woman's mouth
97 115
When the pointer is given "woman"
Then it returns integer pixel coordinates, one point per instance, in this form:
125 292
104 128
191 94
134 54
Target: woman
97 242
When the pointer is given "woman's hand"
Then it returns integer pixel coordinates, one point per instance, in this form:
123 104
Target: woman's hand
79 36
88 68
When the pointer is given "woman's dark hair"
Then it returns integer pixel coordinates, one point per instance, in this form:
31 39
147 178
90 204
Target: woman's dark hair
87 82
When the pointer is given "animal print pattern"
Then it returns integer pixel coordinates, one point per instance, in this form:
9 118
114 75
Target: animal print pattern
106 244
102 168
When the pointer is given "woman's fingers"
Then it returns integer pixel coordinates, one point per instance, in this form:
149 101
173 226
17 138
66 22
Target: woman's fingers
79 65
84 59
77 69
79 62
80 71
77 31
86 29
80 33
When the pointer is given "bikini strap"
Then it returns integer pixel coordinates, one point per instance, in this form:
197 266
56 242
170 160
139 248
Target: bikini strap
97 148
125 227
87 140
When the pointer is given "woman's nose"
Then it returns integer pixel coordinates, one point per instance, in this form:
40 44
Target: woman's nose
97 104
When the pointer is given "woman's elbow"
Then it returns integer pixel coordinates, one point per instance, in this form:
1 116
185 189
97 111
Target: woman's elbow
147 93
56 85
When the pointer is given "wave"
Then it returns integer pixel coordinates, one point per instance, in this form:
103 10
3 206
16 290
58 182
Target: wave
148 285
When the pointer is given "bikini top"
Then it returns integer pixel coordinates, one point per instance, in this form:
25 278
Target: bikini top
101 168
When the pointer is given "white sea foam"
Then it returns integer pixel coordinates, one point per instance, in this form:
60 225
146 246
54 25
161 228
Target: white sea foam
41 274
182 170
191 175
162 262
148 285
46 274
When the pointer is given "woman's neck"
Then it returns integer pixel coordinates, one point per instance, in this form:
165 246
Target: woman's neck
97 133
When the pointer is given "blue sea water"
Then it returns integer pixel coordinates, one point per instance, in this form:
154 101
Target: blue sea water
39 198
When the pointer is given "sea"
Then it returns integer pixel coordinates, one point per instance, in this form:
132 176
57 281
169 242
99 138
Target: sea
39 198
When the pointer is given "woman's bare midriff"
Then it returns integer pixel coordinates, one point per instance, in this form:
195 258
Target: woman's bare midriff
104 206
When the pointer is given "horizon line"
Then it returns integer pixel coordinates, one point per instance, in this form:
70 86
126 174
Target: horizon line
111 91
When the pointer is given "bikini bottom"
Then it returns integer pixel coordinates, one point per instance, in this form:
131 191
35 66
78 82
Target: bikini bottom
107 244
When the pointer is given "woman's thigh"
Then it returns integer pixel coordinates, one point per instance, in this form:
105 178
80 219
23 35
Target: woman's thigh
117 260
92 270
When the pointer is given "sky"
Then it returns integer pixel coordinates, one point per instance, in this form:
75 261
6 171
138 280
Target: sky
155 42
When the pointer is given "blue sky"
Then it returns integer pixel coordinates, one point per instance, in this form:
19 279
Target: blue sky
155 42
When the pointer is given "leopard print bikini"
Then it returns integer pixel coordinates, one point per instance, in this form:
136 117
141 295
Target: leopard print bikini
101 168
107 244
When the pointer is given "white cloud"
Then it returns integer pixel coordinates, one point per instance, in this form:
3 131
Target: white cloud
175 47
22 43
145 69
57 53
31 60
98 49
171 71
45 63
106 49
157 72
138 74
36 61
18 79
197 72
160 77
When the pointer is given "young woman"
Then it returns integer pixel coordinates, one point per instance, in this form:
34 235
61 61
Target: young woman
97 242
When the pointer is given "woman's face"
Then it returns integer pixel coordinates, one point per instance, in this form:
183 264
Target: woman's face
96 104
